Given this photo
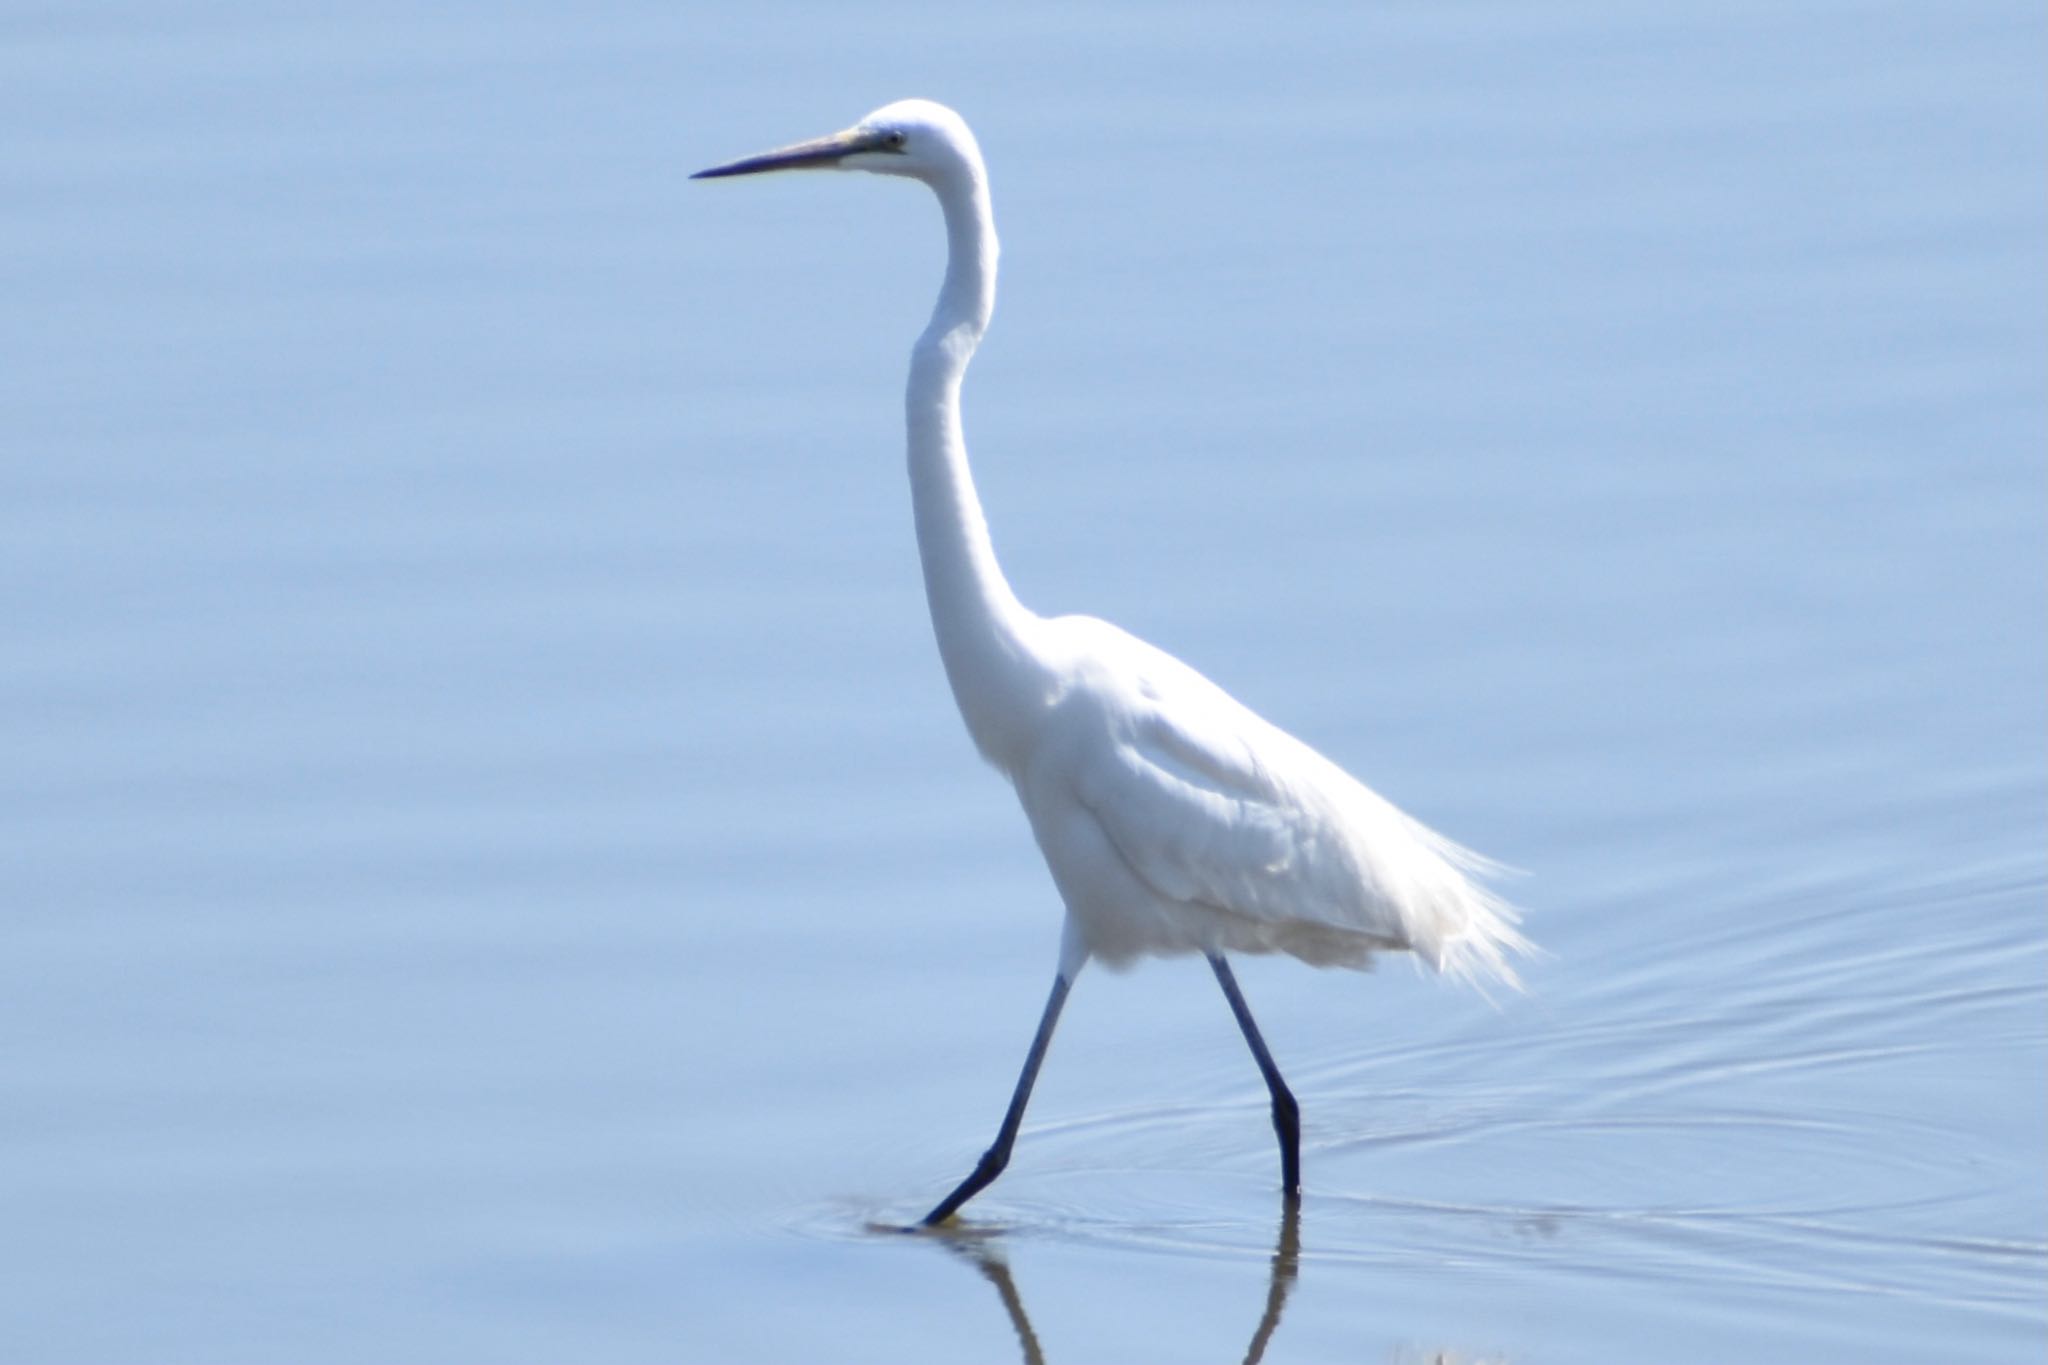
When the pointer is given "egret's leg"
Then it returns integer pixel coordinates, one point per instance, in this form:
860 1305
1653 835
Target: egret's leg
998 1155
1286 1113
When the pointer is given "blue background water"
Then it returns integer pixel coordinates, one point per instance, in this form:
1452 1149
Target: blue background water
491 871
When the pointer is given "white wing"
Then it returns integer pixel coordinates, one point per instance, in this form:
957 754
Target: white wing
1210 804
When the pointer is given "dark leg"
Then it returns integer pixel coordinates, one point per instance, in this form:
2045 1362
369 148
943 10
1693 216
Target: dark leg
998 1155
1286 1113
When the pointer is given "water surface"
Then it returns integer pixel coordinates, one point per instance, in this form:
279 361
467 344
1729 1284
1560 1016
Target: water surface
492 870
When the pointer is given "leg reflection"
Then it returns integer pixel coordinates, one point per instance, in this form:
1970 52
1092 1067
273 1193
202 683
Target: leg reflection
1280 1280
989 1261
984 1253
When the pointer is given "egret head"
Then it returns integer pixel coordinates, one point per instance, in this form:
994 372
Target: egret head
914 138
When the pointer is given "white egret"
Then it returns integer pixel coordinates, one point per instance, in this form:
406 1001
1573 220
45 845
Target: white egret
1174 819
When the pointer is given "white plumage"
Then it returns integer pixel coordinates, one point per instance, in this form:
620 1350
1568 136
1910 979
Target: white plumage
1174 819
1227 834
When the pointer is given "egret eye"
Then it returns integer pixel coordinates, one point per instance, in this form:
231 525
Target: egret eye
896 141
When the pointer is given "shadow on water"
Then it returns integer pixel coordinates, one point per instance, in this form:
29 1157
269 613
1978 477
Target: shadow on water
981 1250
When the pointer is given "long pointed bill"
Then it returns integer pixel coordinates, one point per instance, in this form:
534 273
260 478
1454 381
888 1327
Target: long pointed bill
818 153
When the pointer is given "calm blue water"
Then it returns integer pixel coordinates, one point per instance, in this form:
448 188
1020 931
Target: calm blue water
491 870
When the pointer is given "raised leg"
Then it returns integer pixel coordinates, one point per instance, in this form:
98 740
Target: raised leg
998 1155
1286 1113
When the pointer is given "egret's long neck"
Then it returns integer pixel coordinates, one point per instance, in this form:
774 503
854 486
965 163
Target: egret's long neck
981 627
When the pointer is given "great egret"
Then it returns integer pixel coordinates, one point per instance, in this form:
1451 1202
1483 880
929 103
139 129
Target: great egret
1174 819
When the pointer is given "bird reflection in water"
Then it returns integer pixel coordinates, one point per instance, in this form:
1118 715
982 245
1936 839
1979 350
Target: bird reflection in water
982 1251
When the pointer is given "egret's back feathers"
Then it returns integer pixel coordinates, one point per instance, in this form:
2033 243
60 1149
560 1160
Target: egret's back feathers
1213 807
